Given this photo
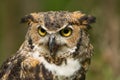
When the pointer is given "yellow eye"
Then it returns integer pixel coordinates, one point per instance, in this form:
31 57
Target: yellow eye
42 32
66 32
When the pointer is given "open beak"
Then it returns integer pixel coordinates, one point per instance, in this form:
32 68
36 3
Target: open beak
52 45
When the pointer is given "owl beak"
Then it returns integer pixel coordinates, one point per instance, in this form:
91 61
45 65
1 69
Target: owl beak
52 45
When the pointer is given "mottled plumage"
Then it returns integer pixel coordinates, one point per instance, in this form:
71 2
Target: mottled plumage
56 47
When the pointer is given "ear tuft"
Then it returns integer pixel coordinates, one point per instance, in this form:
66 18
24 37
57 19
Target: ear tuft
28 19
87 20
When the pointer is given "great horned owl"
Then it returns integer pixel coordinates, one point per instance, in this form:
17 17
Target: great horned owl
56 47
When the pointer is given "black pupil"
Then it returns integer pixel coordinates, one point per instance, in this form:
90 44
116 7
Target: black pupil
66 31
42 30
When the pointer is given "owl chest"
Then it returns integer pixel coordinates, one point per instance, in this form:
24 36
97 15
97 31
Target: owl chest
67 69
52 71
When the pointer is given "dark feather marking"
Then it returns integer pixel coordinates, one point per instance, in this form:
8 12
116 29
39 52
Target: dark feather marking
14 67
83 76
37 77
78 45
28 18
51 23
56 61
30 43
89 20
46 74
82 71
54 21
15 71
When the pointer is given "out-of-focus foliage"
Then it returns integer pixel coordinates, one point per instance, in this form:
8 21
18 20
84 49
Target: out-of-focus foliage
105 34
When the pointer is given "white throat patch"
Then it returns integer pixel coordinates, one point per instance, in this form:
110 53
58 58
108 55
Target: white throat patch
63 70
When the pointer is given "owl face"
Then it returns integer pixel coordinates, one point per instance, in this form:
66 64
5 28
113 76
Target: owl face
55 43
56 34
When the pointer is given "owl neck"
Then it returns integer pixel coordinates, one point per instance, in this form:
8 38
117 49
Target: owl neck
84 48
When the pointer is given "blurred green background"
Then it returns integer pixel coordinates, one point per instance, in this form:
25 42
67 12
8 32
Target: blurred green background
105 34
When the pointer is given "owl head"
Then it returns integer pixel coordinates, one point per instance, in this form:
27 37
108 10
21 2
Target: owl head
57 33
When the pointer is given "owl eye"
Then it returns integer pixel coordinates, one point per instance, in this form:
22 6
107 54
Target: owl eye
66 32
42 32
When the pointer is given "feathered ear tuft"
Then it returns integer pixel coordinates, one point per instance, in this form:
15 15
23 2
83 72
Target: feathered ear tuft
28 19
87 20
